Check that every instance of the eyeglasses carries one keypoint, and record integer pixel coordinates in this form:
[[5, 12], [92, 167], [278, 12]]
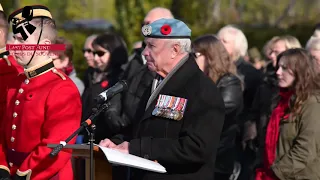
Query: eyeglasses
[[99, 53], [86, 50]]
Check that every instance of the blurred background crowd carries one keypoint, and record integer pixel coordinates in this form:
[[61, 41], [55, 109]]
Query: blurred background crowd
[[253, 33]]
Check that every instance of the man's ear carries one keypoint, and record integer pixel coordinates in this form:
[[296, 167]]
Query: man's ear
[[175, 50], [46, 42]]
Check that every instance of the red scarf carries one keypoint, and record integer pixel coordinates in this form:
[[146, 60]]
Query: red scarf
[[272, 136]]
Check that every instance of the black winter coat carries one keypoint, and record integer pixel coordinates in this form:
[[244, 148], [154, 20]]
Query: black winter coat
[[186, 148], [252, 80], [104, 121], [262, 109]]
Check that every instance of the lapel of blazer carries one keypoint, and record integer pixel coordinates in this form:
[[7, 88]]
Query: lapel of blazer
[[173, 84]]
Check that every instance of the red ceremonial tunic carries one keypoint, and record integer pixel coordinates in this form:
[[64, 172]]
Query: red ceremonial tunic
[[9, 69], [41, 110]]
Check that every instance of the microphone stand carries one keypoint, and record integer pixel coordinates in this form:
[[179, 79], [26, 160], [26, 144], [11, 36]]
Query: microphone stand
[[90, 127]]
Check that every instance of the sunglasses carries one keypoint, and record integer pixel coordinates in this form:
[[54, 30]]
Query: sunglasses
[[86, 50], [99, 53]]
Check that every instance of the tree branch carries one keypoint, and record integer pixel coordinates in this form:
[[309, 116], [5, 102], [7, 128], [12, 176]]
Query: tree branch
[[285, 13]]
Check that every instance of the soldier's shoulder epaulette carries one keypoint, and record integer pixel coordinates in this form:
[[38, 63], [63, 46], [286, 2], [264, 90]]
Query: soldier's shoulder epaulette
[[55, 71], [5, 57]]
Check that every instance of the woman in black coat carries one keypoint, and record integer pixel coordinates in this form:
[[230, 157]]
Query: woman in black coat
[[110, 53], [215, 62]]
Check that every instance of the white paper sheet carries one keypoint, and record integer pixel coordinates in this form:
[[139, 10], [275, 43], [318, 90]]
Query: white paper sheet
[[120, 158]]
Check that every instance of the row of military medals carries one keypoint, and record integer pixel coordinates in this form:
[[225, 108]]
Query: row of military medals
[[170, 107]]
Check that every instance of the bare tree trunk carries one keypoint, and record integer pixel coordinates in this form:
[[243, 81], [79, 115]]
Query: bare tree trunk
[[95, 4], [240, 10], [175, 8], [232, 4], [84, 2], [216, 10], [265, 14], [286, 12], [16, 4]]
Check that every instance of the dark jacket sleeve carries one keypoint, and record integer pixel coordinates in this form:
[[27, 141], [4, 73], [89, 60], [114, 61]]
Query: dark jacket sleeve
[[113, 115], [230, 88]]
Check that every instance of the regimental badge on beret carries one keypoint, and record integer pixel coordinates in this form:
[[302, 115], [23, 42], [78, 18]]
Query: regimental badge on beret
[[170, 107], [146, 30]]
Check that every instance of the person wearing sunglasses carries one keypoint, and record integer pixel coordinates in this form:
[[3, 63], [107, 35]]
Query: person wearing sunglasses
[[110, 53], [87, 50], [87, 54]]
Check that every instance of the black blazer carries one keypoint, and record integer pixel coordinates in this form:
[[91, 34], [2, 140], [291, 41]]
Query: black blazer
[[186, 148]]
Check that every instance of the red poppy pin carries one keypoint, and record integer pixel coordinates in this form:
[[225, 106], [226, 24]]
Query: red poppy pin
[[104, 84], [165, 29]]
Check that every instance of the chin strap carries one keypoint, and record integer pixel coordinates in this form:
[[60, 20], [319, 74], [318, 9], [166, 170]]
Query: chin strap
[[34, 52]]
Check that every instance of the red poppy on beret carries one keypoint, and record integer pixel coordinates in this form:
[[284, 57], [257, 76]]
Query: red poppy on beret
[[165, 29], [104, 84]]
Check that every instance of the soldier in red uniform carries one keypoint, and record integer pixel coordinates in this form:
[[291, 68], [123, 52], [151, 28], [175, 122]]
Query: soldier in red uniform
[[8, 65], [43, 107]]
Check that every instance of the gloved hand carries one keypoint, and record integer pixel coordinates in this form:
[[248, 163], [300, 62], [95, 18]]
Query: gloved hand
[[4, 174], [16, 177]]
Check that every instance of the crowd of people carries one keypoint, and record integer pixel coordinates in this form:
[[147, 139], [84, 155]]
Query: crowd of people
[[206, 108]]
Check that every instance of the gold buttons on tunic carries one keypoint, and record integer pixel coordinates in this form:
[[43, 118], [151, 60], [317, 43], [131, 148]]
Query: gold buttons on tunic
[[17, 102], [14, 127], [12, 139], [15, 114], [20, 90], [26, 81]]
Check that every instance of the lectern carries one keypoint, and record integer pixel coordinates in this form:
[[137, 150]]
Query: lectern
[[102, 168]]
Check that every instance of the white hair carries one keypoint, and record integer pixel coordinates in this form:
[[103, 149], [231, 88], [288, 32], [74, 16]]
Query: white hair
[[185, 44], [313, 43], [90, 39], [316, 33], [240, 40]]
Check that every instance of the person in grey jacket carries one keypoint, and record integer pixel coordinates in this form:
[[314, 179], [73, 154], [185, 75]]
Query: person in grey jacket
[[63, 60]]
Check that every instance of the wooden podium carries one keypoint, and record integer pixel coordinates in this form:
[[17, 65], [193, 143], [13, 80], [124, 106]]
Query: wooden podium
[[102, 168]]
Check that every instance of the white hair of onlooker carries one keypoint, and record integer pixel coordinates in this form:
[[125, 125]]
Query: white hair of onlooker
[[313, 46], [90, 39], [313, 43], [234, 40]]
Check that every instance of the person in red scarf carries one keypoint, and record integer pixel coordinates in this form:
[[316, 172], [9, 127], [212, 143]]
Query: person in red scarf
[[292, 136], [63, 60]]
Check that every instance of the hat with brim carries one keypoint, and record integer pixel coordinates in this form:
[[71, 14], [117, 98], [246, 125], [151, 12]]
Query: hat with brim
[[34, 11]]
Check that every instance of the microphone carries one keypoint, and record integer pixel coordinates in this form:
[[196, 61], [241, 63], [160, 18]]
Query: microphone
[[109, 93]]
